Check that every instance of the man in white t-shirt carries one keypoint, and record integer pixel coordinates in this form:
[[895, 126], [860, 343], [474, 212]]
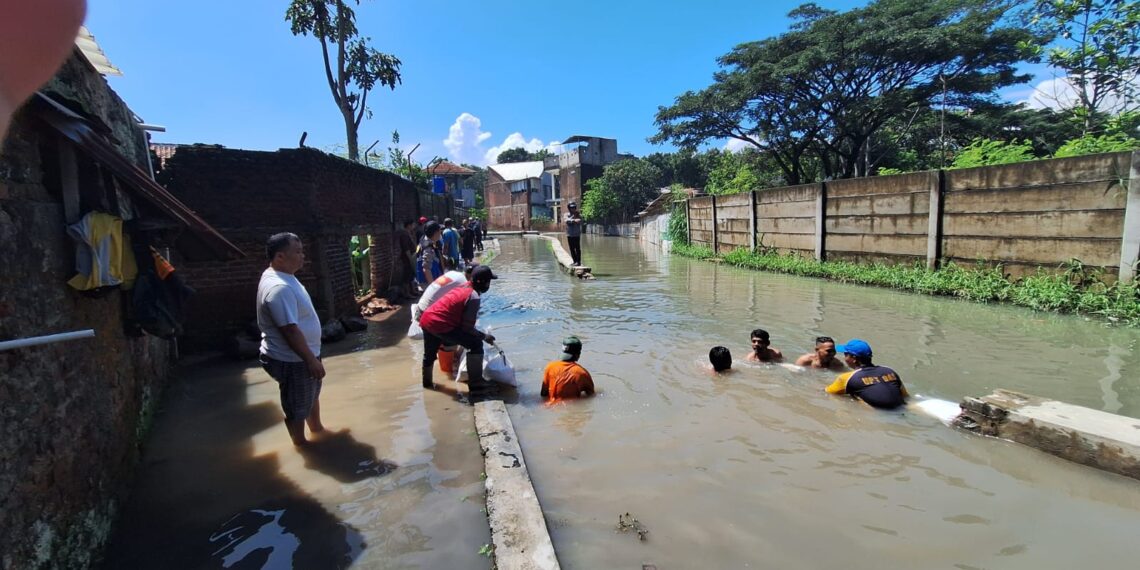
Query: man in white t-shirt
[[440, 287], [291, 336]]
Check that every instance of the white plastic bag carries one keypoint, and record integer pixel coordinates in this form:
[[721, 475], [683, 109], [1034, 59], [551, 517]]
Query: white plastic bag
[[499, 369], [414, 331], [496, 369]]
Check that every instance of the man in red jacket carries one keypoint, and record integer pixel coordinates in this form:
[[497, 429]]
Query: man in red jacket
[[451, 320]]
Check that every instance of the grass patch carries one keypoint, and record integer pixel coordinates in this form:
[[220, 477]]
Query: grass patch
[[1076, 289]]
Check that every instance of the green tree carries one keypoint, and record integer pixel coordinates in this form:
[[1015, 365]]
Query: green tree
[[622, 191], [1093, 144], [478, 183], [520, 154], [352, 67], [985, 152], [1097, 44], [823, 90], [743, 171]]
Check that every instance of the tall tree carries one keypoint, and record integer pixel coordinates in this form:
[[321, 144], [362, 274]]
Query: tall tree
[[622, 191], [518, 154], [824, 89], [1097, 44], [352, 67]]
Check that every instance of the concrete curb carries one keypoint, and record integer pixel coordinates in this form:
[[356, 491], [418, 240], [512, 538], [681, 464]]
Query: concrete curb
[[518, 529], [1083, 435], [564, 259]]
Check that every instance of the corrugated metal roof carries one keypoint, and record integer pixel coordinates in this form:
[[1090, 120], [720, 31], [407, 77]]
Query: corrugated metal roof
[[583, 138], [94, 54], [515, 171], [201, 242]]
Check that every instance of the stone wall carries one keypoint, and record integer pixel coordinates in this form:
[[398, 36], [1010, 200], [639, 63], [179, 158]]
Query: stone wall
[[1023, 216], [73, 413], [250, 195]]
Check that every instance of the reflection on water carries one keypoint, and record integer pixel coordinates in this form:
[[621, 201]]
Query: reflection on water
[[760, 468], [221, 486]]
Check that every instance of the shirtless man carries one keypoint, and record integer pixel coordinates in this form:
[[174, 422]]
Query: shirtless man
[[762, 350], [824, 356]]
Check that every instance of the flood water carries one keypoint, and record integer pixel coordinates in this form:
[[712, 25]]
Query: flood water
[[394, 484], [760, 468]]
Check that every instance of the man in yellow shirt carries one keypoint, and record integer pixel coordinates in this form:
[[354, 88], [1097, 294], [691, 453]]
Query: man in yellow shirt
[[879, 386], [565, 378]]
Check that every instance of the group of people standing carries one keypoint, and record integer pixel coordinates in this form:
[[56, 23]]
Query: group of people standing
[[429, 249], [860, 377]]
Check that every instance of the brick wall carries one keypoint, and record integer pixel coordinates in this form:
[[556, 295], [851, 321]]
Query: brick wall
[[505, 209], [73, 413], [250, 195]]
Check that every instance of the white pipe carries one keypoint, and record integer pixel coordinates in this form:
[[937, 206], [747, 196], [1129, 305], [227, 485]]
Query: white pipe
[[46, 339]]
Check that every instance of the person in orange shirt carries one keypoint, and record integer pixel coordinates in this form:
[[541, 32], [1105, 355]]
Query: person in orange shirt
[[565, 378]]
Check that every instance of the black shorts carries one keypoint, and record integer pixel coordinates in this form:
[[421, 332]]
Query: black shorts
[[299, 390]]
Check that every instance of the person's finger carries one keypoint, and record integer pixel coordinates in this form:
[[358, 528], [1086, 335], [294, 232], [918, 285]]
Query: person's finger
[[35, 38]]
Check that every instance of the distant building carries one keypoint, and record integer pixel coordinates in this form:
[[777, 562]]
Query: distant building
[[455, 182], [516, 192], [575, 166]]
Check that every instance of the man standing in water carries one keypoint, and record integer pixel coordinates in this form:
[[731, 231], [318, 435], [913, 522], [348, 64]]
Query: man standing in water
[[565, 378], [291, 336], [879, 386], [574, 232], [762, 350], [451, 320], [824, 356]]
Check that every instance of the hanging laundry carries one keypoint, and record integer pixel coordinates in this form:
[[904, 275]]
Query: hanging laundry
[[103, 254]]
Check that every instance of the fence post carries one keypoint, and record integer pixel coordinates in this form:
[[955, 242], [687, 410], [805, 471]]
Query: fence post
[[752, 219], [1130, 241], [715, 236], [820, 222], [934, 227], [688, 221]]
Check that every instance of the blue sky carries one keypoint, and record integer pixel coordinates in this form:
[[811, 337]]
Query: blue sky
[[478, 76]]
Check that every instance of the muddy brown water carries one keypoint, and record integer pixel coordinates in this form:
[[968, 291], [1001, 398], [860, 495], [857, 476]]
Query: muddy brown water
[[757, 469], [760, 468], [395, 484]]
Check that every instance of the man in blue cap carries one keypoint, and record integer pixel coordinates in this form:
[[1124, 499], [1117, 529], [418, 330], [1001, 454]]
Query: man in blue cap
[[879, 386]]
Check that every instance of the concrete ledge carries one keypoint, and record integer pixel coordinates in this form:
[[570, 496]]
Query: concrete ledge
[[518, 528], [512, 233], [567, 262], [1090, 437]]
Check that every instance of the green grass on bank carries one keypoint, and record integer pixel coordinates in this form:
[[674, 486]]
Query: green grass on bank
[[1076, 289]]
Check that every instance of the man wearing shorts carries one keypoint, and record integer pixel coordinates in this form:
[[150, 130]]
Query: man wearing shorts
[[291, 336]]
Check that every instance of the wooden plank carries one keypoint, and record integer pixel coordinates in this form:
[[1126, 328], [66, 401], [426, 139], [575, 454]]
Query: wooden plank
[[1077, 169], [1087, 196], [914, 182], [786, 225], [881, 204], [733, 200], [916, 224], [804, 242], [1045, 251], [877, 244], [1069, 224], [799, 193], [786, 210]]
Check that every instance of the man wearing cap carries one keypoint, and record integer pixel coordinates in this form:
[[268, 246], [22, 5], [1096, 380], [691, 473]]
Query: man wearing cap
[[451, 320], [879, 386], [565, 378], [420, 228], [574, 232], [429, 266]]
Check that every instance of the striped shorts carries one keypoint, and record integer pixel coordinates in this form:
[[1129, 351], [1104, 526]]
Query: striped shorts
[[299, 390]]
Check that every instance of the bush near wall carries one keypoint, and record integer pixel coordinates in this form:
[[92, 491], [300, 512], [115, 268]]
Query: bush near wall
[[1077, 289]]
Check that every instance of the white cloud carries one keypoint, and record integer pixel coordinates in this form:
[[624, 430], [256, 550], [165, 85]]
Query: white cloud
[[1060, 93], [466, 137], [735, 145]]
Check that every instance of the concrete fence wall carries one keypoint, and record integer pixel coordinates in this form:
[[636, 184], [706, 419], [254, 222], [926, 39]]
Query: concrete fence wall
[[1023, 216]]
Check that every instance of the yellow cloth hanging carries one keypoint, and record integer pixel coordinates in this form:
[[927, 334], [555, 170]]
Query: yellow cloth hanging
[[103, 255]]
